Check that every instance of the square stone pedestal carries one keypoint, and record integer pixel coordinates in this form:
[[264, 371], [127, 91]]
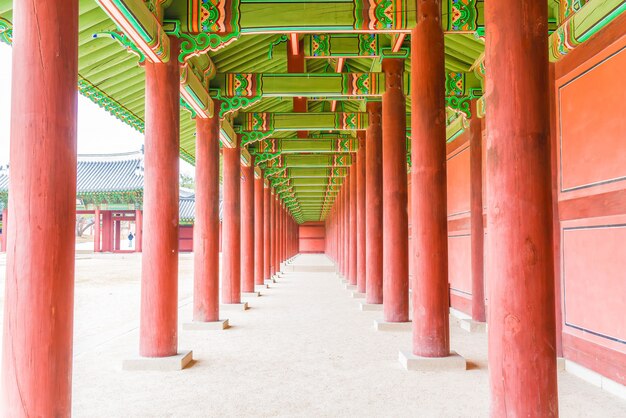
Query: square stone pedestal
[[206, 326], [364, 306], [358, 295], [269, 281], [159, 364], [453, 362], [350, 287], [234, 306], [470, 325], [380, 325], [259, 287], [250, 294]]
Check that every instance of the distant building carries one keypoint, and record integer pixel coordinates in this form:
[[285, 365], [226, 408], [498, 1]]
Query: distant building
[[111, 187]]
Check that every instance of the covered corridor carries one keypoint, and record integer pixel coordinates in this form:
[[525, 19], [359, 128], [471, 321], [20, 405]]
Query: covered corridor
[[302, 349]]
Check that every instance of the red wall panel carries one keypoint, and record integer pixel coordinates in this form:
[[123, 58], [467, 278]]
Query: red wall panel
[[185, 238], [459, 238], [592, 148], [312, 237], [459, 181], [591, 155]]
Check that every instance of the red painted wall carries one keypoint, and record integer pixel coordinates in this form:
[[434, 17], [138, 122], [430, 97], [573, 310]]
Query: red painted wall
[[312, 237], [591, 185], [185, 238]]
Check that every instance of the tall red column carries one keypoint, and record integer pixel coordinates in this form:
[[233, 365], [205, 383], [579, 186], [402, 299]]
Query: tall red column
[[39, 289], [267, 213], [118, 238], [107, 231], [283, 232], [96, 229], [395, 218], [360, 214], [431, 335], [374, 203], [340, 232], [247, 228], [206, 228], [478, 230], [159, 267], [276, 234], [353, 221], [138, 230], [231, 225], [259, 237], [272, 233], [346, 227], [279, 234], [522, 355]]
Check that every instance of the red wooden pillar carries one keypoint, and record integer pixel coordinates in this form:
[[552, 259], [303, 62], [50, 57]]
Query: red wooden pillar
[[138, 230], [118, 238], [338, 213], [206, 257], [247, 227], [360, 214], [39, 303], [395, 218], [267, 212], [353, 221], [272, 233], [105, 231], [284, 233], [276, 234], [522, 354], [374, 203], [231, 232], [279, 234], [5, 218], [431, 334], [96, 230], [478, 230], [159, 267], [346, 227], [259, 237]]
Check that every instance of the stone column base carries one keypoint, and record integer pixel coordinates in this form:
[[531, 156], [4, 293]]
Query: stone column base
[[470, 325], [161, 364], [358, 295], [258, 287], [234, 306], [364, 306], [206, 326], [250, 294], [453, 362], [350, 287], [380, 325]]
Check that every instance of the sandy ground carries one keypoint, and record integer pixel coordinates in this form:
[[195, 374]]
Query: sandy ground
[[303, 349]]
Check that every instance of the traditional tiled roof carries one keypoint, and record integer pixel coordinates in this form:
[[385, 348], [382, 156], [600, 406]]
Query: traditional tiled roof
[[116, 173], [110, 173]]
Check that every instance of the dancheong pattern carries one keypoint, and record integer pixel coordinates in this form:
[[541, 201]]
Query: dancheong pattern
[[380, 14], [320, 45], [360, 84], [462, 15], [368, 45]]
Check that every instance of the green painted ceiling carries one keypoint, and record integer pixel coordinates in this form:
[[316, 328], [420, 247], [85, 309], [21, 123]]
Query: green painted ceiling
[[112, 77]]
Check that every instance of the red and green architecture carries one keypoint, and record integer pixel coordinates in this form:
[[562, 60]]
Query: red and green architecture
[[493, 180]]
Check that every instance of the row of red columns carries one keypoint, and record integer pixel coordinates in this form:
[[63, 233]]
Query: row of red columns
[[522, 356], [37, 346]]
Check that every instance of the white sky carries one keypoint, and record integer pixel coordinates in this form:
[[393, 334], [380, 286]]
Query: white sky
[[98, 131]]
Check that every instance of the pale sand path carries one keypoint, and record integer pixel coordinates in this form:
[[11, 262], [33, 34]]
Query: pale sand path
[[304, 349]]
